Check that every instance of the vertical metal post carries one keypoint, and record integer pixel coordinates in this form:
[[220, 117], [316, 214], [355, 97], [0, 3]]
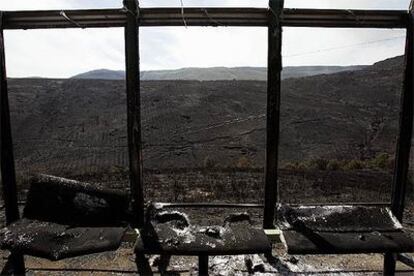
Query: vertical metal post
[[8, 174], [203, 265], [274, 68], [404, 138], [134, 110]]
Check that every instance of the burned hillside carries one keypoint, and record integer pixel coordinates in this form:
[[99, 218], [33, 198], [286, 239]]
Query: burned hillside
[[67, 125]]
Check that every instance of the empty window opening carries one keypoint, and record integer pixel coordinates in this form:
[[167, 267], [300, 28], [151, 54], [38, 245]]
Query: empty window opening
[[204, 123], [340, 114], [68, 104]]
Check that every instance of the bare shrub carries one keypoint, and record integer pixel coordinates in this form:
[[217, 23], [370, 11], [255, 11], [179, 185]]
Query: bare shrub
[[243, 163], [333, 165], [317, 164], [354, 165], [209, 162], [382, 161]]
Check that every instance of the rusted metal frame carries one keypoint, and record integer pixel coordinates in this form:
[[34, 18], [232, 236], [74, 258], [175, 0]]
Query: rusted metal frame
[[402, 158], [274, 69], [8, 173], [208, 205], [134, 112], [205, 17]]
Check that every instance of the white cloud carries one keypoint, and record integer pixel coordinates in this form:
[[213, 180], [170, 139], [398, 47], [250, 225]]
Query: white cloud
[[203, 47], [62, 53], [340, 46]]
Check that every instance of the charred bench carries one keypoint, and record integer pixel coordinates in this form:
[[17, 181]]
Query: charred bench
[[171, 233], [65, 218], [341, 229]]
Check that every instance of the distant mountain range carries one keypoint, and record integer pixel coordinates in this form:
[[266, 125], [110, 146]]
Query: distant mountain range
[[218, 73]]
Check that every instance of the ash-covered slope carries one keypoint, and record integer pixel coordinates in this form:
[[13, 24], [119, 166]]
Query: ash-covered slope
[[67, 125]]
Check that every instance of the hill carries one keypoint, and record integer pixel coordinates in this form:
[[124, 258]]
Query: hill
[[218, 73], [102, 74], [77, 124]]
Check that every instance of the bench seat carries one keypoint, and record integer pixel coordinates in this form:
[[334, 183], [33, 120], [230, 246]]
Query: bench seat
[[171, 233], [341, 229], [65, 218]]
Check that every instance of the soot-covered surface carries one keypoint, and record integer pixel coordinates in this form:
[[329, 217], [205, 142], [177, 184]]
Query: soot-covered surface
[[55, 241], [65, 218], [338, 218], [172, 232], [341, 229], [73, 203]]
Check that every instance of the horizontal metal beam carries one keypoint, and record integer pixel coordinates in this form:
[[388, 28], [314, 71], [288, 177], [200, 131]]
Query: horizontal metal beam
[[206, 205], [64, 19], [344, 18], [204, 17]]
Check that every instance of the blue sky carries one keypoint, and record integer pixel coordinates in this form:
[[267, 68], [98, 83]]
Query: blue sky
[[63, 53]]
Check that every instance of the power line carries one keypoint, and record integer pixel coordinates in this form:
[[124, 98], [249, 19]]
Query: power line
[[344, 47]]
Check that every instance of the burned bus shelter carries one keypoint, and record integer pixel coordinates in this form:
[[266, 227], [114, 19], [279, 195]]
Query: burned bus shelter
[[42, 231]]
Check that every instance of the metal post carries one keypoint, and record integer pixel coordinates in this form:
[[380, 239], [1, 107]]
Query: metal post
[[8, 174], [203, 265], [134, 110], [404, 138], [143, 265], [274, 68]]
